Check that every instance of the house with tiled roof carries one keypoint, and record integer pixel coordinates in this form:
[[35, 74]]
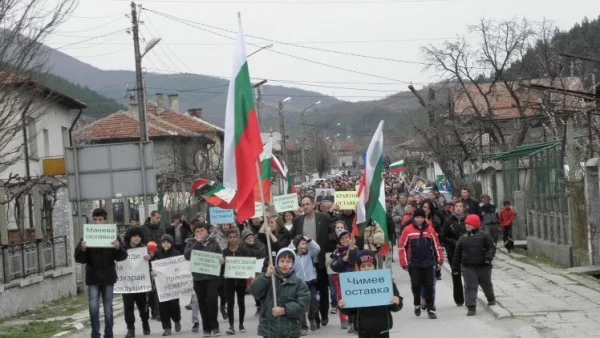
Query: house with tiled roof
[[185, 145]]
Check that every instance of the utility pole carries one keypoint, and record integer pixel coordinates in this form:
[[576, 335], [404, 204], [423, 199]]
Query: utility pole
[[282, 130], [139, 84], [303, 145], [258, 88]]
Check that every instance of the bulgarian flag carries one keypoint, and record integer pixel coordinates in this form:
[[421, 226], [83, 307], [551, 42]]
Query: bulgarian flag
[[242, 143], [199, 183], [286, 176], [220, 197], [397, 167], [371, 194], [265, 173]]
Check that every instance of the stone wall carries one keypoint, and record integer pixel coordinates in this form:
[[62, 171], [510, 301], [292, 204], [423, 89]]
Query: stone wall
[[549, 235], [63, 220]]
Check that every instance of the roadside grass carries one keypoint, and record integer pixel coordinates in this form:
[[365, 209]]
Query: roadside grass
[[33, 329], [529, 258]]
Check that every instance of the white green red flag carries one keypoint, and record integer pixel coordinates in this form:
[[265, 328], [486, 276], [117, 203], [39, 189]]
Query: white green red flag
[[220, 197], [397, 167], [286, 176], [371, 193], [199, 183], [265, 173], [242, 145]]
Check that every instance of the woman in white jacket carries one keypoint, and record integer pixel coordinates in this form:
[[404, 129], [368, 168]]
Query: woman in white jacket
[[306, 252]]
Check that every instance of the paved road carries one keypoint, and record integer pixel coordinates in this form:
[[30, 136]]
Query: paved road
[[452, 321]]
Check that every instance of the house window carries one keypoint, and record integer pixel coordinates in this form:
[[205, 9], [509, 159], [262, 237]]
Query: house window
[[65, 138], [32, 143], [46, 143]]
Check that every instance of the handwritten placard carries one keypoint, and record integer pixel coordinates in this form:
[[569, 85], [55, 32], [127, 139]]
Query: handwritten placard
[[285, 203], [259, 265], [347, 200], [173, 278], [205, 262], [133, 274], [99, 235], [258, 210], [220, 216], [366, 288], [240, 267]]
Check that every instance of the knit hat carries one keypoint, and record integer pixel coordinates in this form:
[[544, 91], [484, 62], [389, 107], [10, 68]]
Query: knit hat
[[339, 236], [418, 212], [474, 221], [298, 239], [134, 231], [168, 238], [246, 233], [366, 256]]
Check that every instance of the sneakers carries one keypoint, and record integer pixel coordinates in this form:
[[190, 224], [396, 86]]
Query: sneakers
[[313, 325], [146, 328], [230, 331], [431, 314], [196, 327], [417, 310], [333, 310], [130, 333], [471, 311], [491, 303], [207, 334], [344, 325], [188, 307], [167, 332], [242, 329], [177, 326], [324, 321], [216, 333], [224, 312]]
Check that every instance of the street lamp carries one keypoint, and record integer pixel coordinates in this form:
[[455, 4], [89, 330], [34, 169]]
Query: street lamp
[[258, 50], [153, 42], [303, 139]]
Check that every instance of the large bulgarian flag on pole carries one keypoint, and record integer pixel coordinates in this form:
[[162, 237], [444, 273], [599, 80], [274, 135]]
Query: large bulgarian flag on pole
[[265, 173], [371, 193], [242, 145], [286, 176]]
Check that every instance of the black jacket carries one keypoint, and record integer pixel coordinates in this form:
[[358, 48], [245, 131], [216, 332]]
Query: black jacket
[[100, 268], [475, 248], [452, 230], [152, 232], [162, 254], [240, 252], [210, 245], [472, 207], [323, 225], [284, 238], [257, 250], [375, 319]]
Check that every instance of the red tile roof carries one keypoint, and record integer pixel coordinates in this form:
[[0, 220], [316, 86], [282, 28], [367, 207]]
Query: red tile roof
[[124, 125], [348, 146]]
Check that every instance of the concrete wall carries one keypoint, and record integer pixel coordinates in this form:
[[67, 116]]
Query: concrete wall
[[592, 196], [549, 235]]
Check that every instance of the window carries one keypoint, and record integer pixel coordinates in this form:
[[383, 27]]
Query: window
[[32, 140], [46, 143], [65, 138]]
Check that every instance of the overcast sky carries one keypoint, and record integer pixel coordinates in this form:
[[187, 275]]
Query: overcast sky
[[392, 29]]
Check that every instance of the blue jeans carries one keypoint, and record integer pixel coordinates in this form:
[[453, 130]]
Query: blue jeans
[[94, 293]]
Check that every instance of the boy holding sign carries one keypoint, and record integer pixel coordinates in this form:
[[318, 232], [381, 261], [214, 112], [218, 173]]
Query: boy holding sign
[[170, 309], [373, 321]]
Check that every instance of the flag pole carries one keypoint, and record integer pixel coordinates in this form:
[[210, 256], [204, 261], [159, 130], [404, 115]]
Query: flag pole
[[267, 232]]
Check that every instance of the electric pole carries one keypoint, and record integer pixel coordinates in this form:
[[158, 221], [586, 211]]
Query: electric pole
[[139, 84], [303, 145], [282, 130]]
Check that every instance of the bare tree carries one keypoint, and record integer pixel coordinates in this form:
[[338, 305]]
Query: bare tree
[[25, 25]]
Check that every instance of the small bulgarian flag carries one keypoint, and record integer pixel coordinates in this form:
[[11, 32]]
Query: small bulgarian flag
[[397, 167], [220, 197], [286, 176], [199, 183], [266, 158]]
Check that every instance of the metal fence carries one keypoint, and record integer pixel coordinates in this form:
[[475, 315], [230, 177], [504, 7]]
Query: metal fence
[[30, 258]]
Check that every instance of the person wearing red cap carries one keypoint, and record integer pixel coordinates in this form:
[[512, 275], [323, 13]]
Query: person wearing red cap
[[473, 256]]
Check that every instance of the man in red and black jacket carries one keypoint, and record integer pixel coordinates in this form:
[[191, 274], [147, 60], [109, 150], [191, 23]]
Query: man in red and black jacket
[[420, 251]]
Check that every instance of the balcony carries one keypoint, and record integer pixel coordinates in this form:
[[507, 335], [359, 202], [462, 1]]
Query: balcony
[[54, 166], [31, 258]]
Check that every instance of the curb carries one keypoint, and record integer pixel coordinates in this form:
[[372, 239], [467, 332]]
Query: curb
[[498, 311]]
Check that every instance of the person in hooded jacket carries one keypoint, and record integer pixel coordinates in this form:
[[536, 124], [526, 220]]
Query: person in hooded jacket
[[169, 310], [281, 319], [372, 321], [307, 251], [153, 233], [453, 229], [344, 261], [134, 238]]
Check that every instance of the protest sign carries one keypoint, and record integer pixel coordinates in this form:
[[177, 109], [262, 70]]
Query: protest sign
[[240, 267], [99, 235], [220, 216], [347, 200], [133, 274], [366, 288], [324, 195], [259, 265], [205, 262], [173, 278], [418, 184], [285, 203], [258, 210]]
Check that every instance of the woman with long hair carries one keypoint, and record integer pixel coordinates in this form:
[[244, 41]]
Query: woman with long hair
[[288, 216], [453, 228]]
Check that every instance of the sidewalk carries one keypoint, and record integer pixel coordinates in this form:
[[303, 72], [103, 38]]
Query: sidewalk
[[557, 303]]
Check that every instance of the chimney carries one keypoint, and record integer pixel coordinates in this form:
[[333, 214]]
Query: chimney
[[173, 102], [159, 101], [195, 112]]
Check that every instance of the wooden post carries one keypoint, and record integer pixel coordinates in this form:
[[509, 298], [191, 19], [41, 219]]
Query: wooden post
[[3, 223], [37, 212]]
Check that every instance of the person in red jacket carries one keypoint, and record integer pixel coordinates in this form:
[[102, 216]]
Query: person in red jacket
[[507, 217], [419, 251]]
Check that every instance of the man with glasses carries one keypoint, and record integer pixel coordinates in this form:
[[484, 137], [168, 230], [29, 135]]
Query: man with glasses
[[316, 225]]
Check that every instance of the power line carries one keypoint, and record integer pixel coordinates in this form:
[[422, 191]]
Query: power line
[[297, 2], [58, 33], [92, 38]]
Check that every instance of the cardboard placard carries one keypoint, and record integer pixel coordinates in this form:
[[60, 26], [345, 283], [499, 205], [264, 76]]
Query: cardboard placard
[[99, 235], [173, 278], [240, 267], [366, 288], [258, 210], [133, 274], [347, 200], [259, 265], [285, 203], [205, 262], [220, 216]]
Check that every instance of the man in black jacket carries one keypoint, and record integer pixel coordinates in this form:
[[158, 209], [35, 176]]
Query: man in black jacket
[[100, 276], [316, 225], [471, 206], [153, 232], [473, 255]]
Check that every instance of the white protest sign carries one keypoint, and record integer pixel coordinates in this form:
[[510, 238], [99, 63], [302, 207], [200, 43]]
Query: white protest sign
[[258, 210], [259, 265], [205, 262], [240, 267], [99, 235], [133, 274], [285, 203], [173, 278]]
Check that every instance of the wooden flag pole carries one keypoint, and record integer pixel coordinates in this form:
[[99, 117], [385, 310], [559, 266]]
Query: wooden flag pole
[[268, 230]]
